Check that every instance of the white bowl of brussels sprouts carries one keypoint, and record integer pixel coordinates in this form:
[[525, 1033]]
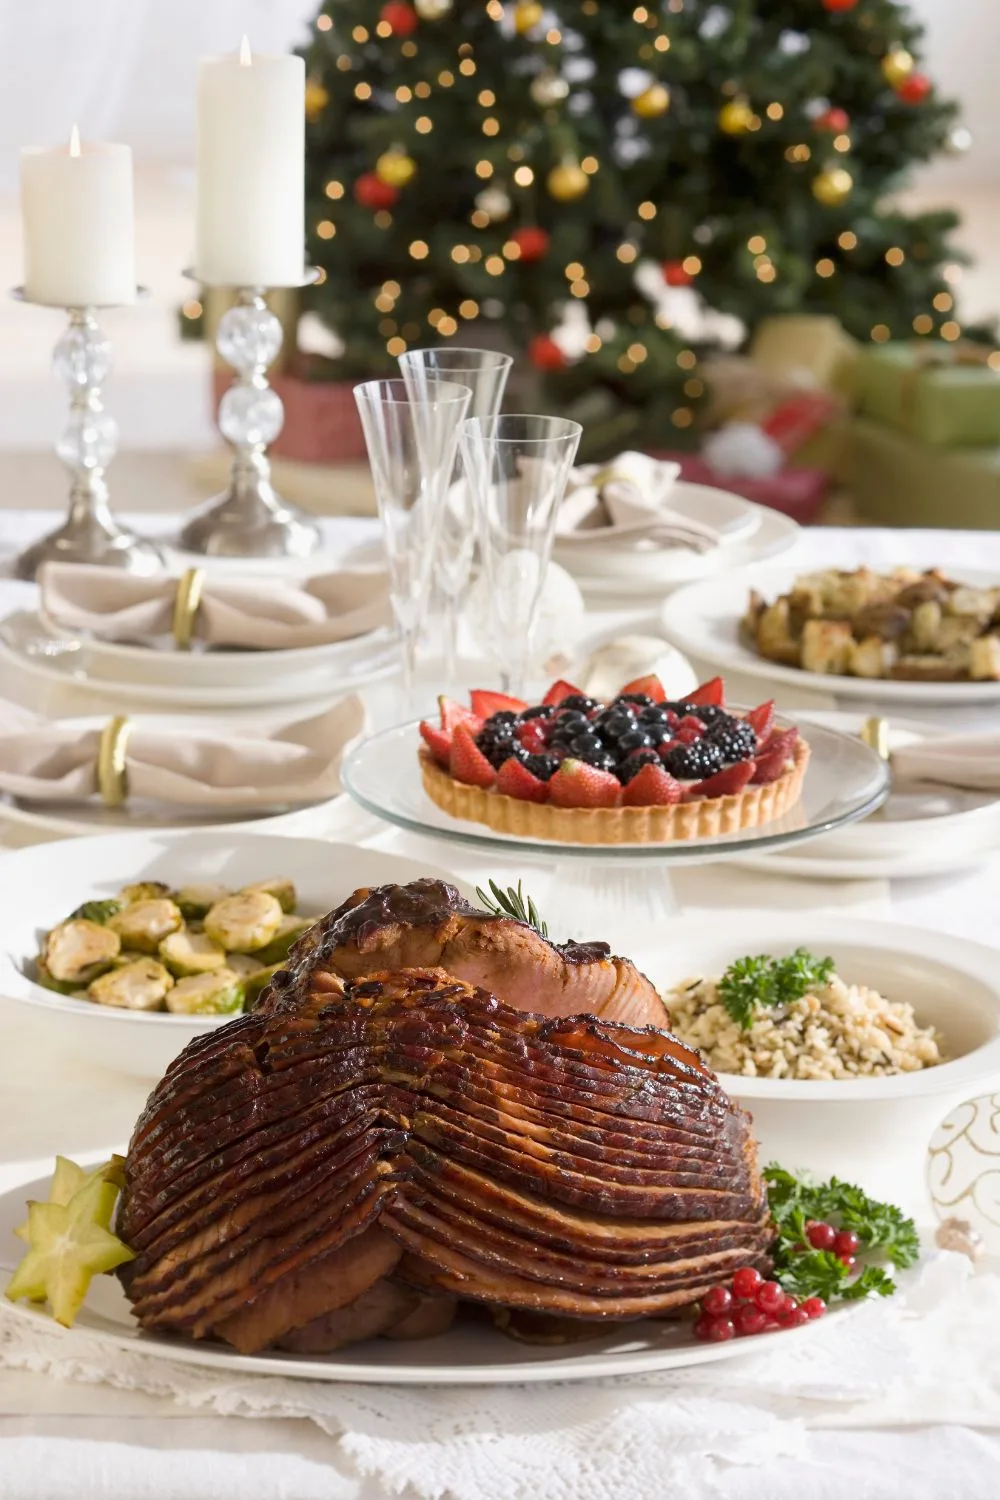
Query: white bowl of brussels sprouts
[[127, 946]]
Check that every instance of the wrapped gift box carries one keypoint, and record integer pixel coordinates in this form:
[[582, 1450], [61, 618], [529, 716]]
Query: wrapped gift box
[[899, 482], [944, 395], [798, 493], [800, 345]]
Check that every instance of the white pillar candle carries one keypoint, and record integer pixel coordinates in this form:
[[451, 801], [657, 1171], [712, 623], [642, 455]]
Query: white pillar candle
[[251, 170], [76, 210]]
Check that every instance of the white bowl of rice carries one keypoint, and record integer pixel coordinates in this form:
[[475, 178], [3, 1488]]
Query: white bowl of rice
[[853, 1078]]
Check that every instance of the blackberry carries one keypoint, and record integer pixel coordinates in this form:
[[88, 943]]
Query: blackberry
[[497, 741], [641, 700], [580, 702], [635, 763], [735, 738], [542, 766], [502, 716], [540, 711], [693, 762], [708, 713], [636, 739]]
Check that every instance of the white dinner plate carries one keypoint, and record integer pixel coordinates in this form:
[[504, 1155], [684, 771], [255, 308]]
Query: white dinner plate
[[703, 620]]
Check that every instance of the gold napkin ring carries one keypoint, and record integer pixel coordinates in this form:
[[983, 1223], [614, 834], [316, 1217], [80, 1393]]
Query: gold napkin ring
[[112, 782], [187, 602]]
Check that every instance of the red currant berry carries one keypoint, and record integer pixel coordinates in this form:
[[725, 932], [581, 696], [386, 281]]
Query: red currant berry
[[850, 1261], [846, 1242], [821, 1236], [701, 1327], [769, 1298], [746, 1281], [789, 1304], [748, 1320], [814, 1306], [719, 1330], [795, 1318], [716, 1301]]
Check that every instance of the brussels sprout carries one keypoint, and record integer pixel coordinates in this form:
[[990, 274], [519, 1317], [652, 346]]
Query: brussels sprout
[[281, 888], [243, 964], [187, 953], [256, 984], [215, 994], [144, 924], [195, 900], [245, 922], [289, 929], [58, 986], [77, 951], [98, 911], [143, 890], [141, 985]]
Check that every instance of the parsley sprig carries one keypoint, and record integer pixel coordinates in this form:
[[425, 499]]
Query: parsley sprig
[[753, 983], [881, 1228]]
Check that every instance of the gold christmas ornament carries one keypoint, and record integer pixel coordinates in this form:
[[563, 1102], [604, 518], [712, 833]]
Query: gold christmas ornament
[[735, 117], [549, 88], [897, 66], [652, 102], [494, 202], [432, 10], [832, 186], [527, 15], [395, 168], [317, 98], [567, 182]]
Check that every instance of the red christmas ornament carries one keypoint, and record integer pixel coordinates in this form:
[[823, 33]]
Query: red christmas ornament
[[371, 192], [401, 17], [914, 89], [833, 119], [532, 242], [545, 354], [837, 5], [674, 273]]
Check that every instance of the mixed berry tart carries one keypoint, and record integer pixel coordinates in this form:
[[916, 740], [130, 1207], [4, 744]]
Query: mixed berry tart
[[640, 769]]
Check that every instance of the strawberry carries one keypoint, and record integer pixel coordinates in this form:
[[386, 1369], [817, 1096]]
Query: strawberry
[[652, 787], [712, 692], [576, 784], [650, 685], [558, 691], [485, 704], [779, 739], [531, 734], [690, 722], [467, 762], [687, 736], [515, 780], [724, 783], [438, 742], [453, 713], [761, 720], [771, 766]]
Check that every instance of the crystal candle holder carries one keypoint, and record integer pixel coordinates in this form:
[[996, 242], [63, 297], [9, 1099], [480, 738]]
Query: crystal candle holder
[[89, 441], [250, 519]]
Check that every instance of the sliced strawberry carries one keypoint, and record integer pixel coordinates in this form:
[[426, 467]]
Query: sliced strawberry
[[485, 704], [438, 742], [709, 692], [724, 783], [780, 739], [576, 784], [558, 691], [515, 780], [652, 787], [467, 762], [453, 713], [531, 734], [761, 720], [650, 685], [772, 766], [690, 722], [687, 736]]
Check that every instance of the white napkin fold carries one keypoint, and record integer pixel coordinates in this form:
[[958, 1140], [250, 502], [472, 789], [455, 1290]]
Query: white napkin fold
[[627, 499], [969, 761], [46, 761], [252, 613]]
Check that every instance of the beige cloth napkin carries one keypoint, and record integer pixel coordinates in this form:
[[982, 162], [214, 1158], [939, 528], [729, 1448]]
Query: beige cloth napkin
[[43, 760], [627, 500], [969, 761], [262, 613]]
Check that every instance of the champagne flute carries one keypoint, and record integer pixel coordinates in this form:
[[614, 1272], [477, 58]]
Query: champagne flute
[[518, 467]]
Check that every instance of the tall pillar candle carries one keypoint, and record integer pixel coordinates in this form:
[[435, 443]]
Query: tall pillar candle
[[251, 170], [76, 212]]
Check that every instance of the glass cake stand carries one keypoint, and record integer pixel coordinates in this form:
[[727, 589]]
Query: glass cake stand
[[844, 781]]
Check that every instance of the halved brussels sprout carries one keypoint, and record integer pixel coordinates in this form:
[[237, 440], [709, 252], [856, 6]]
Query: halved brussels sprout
[[143, 890], [245, 922], [58, 986], [257, 983], [195, 900], [243, 964], [186, 953], [281, 888], [141, 985], [77, 951], [144, 924], [289, 929], [207, 994], [98, 911]]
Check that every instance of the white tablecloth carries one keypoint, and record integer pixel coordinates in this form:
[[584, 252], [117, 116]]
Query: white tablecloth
[[61, 1440]]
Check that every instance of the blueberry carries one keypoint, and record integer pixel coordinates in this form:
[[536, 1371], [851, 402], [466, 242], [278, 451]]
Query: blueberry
[[580, 702], [614, 729], [586, 745], [654, 715], [636, 739], [642, 700], [634, 764], [573, 721]]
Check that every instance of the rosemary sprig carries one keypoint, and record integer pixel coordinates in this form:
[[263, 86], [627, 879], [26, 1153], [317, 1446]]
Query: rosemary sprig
[[513, 903]]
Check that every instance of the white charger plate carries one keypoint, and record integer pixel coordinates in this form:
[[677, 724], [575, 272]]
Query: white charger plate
[[703, 620]]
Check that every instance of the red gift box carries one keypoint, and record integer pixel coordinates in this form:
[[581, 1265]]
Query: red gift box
[[798, 493], [321, 424]]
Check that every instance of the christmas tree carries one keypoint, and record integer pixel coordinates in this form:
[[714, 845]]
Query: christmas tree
[[482, 172]]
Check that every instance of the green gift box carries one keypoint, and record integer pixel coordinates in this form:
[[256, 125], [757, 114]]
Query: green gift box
[[945, 395], [898, 482]]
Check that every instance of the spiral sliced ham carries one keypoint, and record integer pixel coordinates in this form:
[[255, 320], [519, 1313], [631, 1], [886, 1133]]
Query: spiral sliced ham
[[364, 1152]]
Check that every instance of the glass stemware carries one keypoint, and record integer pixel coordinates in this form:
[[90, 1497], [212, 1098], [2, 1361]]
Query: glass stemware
[[411, 444], [485, 373], [517, 467]]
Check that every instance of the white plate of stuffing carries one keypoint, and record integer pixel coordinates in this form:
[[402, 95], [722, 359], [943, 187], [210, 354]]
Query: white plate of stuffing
[[850, 1077]]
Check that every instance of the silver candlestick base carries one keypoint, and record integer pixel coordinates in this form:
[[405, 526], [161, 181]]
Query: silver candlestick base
[[250, 519], [90, 533]]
